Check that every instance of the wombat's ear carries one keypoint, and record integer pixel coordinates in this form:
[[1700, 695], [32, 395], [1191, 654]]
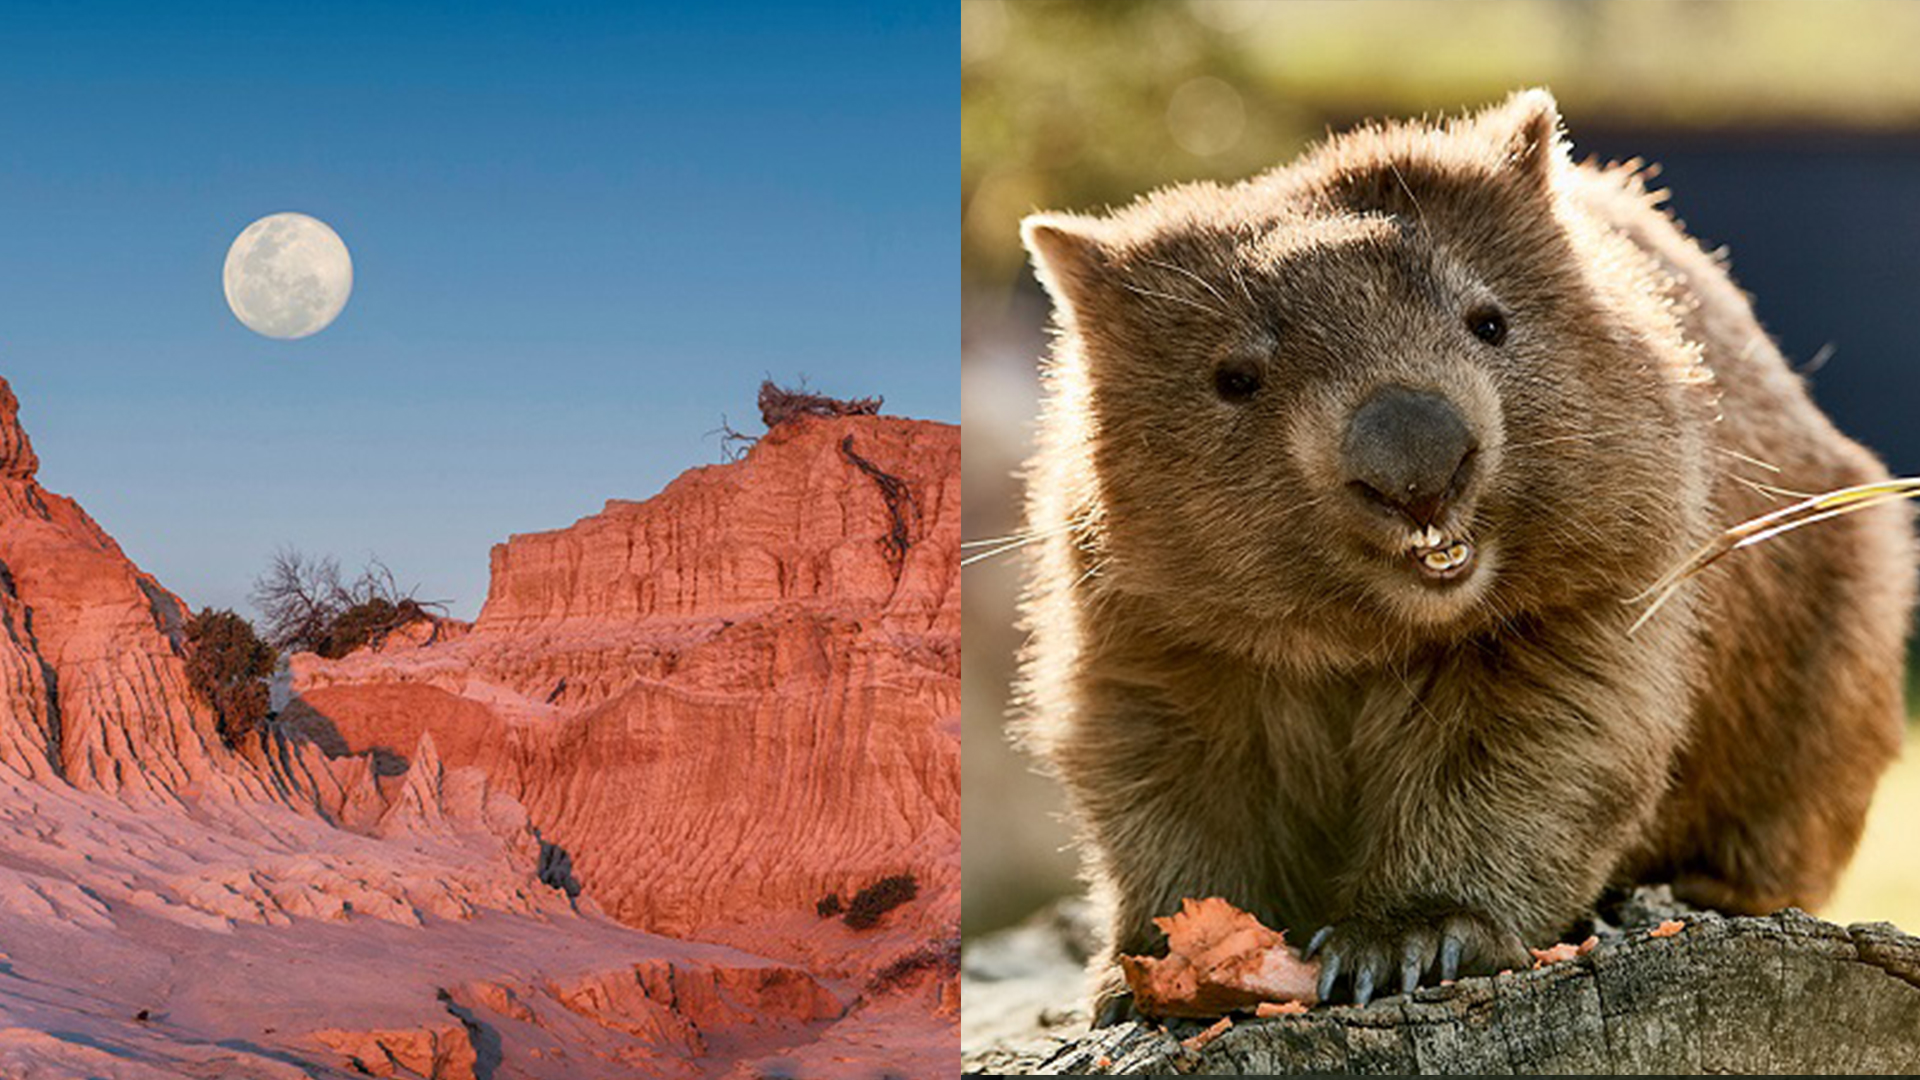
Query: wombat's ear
[[1069, 257], [1528, 128]]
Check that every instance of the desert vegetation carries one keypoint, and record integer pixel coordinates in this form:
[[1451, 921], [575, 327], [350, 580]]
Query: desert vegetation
[[781, 405], [942, 957], [869, 904], [309, 607], [228, 666]]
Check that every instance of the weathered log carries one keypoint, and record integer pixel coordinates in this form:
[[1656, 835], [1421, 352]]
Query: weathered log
[[1786, 993]]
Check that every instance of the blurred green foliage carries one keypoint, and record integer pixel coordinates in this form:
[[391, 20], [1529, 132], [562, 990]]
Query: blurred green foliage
[[1084, 103]]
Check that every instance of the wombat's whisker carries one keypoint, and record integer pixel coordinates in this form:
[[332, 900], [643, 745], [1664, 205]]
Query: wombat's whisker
[[1004, 549], [1304, 504], [1577, 436], [1771, 491], [1187, 300], [1818, 360], [1767, 526], [996, 541], [1419, 215], [1240, 280], [1093, 570], [1732, 453], [1763, 490], [1196, 278], [1002, 545]]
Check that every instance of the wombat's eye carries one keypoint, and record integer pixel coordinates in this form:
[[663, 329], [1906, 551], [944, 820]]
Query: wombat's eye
[[1236, 381], [1488, 325]]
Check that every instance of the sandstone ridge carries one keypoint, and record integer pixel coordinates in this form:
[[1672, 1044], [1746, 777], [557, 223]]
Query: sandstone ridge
[[300, 906], [753, 627]]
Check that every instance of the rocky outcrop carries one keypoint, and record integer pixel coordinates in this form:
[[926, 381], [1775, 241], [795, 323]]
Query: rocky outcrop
[[656, 1017], [92, 686], [94, 693], [362, 888], [726, 701], [441, 1051], [17, 459], [796, 521]]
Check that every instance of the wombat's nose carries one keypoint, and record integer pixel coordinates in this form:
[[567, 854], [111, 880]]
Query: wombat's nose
[[1409, 450]]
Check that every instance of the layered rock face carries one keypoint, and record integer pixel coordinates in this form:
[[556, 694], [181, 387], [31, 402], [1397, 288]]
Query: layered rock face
[[724, 702], [94, 688], [801, 520], [388, 882]]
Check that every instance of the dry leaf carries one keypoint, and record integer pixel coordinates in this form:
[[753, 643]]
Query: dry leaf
[[1219, 959]]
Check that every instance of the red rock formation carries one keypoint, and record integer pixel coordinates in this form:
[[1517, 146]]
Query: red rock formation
[[795, 522], [726, 701], [17, 459], [300, 908], [654, 1018], [93, 686], [95, 689], [442, 1051]]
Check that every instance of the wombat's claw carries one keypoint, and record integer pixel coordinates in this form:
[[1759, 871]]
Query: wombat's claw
[[1117, 1009], [1450, 958], [1372, 952]]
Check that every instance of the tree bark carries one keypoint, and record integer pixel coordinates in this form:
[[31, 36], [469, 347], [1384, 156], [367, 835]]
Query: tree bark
[[1786, 993]]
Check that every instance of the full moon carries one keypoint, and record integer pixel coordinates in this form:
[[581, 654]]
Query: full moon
[[288, 276]]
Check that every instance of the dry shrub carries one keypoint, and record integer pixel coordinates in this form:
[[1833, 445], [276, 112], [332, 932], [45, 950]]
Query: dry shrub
[[309, 608], [870, 903], [941, 956], [228, 666], [779, 404]]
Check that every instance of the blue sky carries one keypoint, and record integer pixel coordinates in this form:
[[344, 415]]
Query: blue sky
[[581, 234]]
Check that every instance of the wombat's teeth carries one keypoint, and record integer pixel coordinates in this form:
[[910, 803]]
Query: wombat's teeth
[[1430, 538], [1444, 560]]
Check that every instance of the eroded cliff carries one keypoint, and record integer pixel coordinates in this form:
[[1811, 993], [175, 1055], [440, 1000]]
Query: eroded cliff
[[724, 702], [299, 906]]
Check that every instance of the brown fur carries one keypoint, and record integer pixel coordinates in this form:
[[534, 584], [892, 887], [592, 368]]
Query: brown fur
[[1247, 695]]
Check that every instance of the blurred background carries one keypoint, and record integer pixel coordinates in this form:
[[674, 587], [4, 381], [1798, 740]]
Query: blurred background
[[1787, 130]]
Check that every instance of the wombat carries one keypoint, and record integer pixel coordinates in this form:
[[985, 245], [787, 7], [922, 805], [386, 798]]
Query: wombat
[[1352, 478]]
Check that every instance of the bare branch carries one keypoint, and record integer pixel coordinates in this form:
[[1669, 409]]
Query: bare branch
[[308, 608]]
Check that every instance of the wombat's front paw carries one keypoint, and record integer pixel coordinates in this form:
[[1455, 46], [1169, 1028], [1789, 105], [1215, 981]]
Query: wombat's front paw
[[1364, 955]]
